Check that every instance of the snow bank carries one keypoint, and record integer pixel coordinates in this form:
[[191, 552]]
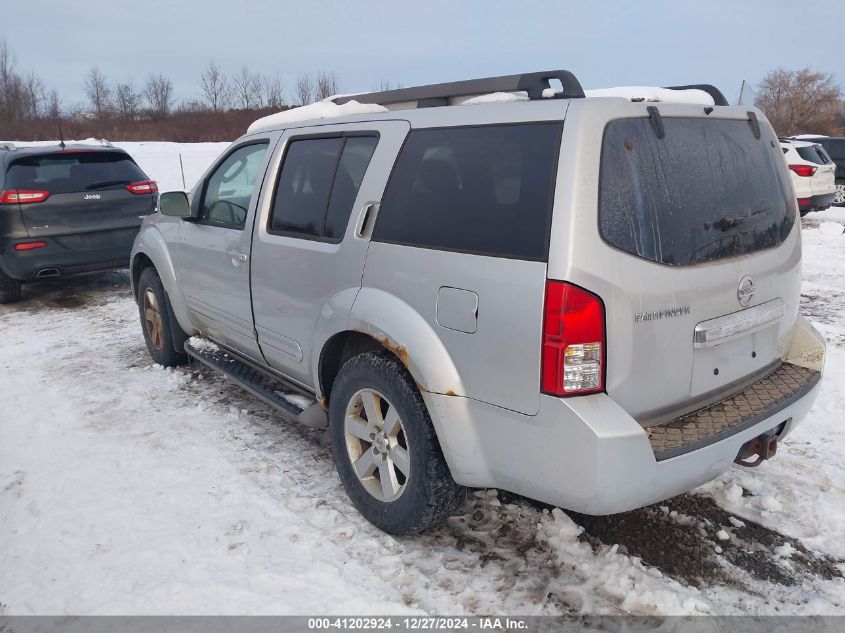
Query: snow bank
[[653, 93], [319, 110], [836, 214]]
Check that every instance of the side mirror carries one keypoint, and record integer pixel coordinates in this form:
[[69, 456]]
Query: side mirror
[[174, 203]]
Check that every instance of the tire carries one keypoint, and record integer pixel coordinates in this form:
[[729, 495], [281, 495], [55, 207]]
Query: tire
[[164, 338], [10, 289], [426, 494]]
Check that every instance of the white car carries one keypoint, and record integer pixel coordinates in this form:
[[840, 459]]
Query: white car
[[813, 174]]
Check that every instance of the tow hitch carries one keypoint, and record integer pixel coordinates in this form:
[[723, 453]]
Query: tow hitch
[[763, 447]]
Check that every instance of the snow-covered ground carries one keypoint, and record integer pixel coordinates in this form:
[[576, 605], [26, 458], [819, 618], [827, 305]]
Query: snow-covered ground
[[128, 488]]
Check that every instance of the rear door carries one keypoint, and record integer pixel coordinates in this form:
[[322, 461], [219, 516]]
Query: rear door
[[309, 249], [94, 199], [462, 238], [697, 256]]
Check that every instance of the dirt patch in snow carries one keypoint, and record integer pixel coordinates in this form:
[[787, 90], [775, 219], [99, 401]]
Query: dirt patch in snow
[[74, 292], [695, 541]]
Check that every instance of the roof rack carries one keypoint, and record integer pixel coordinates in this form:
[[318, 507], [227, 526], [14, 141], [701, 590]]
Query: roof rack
[[535, 84], [9, 147], [713, 91]]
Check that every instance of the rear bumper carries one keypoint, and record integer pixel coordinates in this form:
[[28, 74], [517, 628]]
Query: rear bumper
[[57, 256], [815, 203], [588, 455]]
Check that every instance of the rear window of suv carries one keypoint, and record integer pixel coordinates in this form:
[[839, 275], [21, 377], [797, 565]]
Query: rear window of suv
[[708, 190], [484, 190], [71, 172], [813, 153]]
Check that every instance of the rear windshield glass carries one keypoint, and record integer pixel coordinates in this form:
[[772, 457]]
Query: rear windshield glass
[[73, 172], [812, 154], [708, 190]]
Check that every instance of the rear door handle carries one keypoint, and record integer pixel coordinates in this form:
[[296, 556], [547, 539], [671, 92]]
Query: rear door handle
[[366, 219]]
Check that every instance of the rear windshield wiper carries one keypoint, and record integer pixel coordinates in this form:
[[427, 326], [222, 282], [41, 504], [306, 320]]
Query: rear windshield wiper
[[106, 183]]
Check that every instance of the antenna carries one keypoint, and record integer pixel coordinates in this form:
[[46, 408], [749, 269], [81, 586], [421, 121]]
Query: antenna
[[741, 90], [61, 136]]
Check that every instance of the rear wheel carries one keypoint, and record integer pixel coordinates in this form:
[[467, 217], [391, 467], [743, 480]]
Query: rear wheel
[[156, 322], [10, 289], [839, 194], [385, 448]]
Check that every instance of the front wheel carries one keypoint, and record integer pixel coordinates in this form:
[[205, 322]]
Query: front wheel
[[156, 321], [10, 289], [385, 448]]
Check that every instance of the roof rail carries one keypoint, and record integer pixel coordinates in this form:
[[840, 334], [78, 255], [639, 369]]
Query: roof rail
[[9, 147], [439, 94], [713, 91]]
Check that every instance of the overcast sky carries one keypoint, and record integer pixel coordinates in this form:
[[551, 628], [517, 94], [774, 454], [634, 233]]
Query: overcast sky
[[605, 43]]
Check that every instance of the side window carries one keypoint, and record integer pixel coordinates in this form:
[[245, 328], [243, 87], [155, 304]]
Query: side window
[[318, 184], [229, 189], [485, 190]]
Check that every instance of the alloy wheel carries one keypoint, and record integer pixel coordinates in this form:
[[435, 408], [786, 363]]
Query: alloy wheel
[[152, 319], [377, 445]]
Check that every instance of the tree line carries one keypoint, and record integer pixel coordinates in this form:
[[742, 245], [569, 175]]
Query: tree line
[[222, 108], [794, 101]]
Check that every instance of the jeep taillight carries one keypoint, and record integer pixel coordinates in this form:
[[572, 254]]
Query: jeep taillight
[[145, 186], [573, 355], [803, 170], [22, 196]]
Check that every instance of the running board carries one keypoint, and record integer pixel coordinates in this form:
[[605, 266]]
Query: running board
[[274, 391]]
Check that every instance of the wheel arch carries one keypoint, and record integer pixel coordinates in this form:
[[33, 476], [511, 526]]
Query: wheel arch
[[381, 321], [151, 250]]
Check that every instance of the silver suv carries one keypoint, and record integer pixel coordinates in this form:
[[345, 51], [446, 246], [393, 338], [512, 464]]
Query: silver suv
[[592, 302]]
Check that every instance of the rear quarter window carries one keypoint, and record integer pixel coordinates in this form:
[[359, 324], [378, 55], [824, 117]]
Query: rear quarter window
[[72, 172], [484, 190], [708, 190]]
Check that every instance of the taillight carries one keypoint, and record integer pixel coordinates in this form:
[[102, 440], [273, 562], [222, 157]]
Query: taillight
[[803, 170], [23, 196], [28, 246], [574, 351], [145, 186], [804, 201]]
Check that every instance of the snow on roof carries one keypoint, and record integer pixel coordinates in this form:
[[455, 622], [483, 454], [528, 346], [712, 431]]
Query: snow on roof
[[653, 93], [796, 143], [319, 110], [496, 97], [631, 93], [803, 136], [327, 109]]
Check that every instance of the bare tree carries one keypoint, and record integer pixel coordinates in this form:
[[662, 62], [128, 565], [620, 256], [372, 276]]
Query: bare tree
[[158, 93], [127, 101], [303, 89], [246, 89], [272, 92], [98, 92], [54, 106], [385, 84], [10, 85], [800, 101], [214, 87], [33, 94], [326, 85]]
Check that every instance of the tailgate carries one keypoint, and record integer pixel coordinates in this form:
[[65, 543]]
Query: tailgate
[[84, 192], [86, 212], [699, 263]]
